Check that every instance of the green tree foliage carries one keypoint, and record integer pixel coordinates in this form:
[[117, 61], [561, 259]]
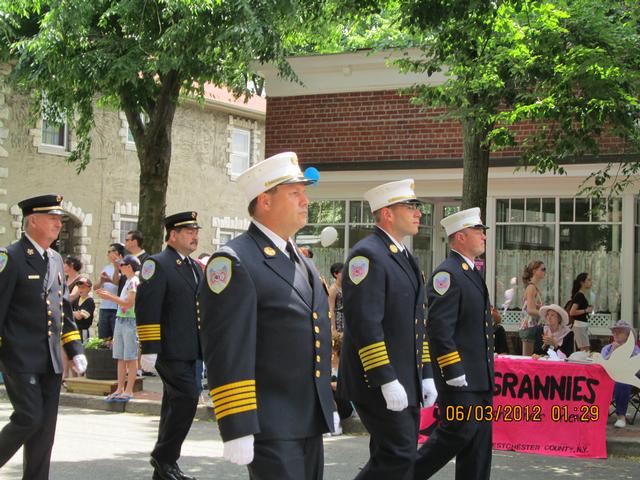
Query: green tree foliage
[[139, 56], [568, 66]]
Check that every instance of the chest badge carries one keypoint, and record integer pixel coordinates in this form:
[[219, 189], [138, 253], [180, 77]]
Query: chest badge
[[269, 252], [358, 269], [219, 274]]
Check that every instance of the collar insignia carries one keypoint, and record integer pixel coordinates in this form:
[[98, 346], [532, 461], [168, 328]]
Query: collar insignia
[[178, 261], [30, 251], [393, 248], [268, 251], [465, 266]]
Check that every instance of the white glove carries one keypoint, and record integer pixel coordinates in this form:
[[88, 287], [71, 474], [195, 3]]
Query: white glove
[[80, 364], [148, 362], [429, 392], [460, 381], [395, 396], [239, 450]]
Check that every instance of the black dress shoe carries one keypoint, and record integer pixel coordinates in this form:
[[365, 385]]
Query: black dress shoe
[[181, 474], [164, 471]]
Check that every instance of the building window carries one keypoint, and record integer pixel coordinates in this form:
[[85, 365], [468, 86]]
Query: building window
[[570, 235], [54, 134], [126, 225], [240, 150]]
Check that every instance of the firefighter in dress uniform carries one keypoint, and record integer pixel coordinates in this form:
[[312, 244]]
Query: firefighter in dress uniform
[[384, 364], [266, 334], [167, 320], [36, 317], [460, 331]]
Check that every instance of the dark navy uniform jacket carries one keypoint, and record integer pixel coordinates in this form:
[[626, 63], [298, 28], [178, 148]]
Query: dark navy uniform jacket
[[167, 312], [35, 318], [459, 326], [384, 337], [266, 340]]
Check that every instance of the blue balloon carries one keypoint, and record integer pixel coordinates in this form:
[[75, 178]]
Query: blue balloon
[[312, 174]]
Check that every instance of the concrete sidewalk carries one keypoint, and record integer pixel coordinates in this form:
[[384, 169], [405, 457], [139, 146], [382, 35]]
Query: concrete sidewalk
[[620, 441]]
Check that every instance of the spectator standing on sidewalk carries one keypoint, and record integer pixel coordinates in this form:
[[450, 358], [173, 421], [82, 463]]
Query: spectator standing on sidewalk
[[532, 275], [108, 280], [336, 308], [72, 268], [133, 244], [167, 316], [580, 310], [125, 341], [35, 318]]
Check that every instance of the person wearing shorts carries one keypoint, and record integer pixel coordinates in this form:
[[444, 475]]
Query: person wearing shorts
[[125, 341]]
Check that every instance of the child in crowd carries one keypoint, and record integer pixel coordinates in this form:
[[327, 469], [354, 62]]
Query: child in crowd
[[621, 391], [125, 339], [83, 307]]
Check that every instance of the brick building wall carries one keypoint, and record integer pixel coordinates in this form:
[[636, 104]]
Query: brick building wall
[[373, 126]]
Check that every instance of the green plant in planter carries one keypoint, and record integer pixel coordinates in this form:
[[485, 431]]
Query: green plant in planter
[[95, 343]]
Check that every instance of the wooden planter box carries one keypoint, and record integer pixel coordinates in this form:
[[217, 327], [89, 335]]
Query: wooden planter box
[[101, 365]]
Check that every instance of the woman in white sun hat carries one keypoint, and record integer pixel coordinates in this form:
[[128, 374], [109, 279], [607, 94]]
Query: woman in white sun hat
[[553, 333]]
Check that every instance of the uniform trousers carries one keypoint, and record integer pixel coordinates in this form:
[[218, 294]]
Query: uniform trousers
[[296, 459], [469, 441], [392, 443], [35, 400], [180, 396]]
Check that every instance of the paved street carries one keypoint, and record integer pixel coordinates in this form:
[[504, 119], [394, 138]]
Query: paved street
[[102, 445]]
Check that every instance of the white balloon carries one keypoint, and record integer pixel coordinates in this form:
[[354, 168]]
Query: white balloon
[[328, 236]]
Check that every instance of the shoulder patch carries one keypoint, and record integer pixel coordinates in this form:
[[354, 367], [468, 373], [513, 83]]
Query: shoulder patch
[[441, 282], [358, 269], [4, 259], [219, 274], [148, 269]]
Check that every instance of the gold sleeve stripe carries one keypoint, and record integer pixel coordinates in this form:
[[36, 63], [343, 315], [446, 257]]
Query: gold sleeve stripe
[[235, 391], [449, 362], [221, 415], [378, 364], [234, 398], [148, 327], [72, 333], [373, 352], [233, 405], [71, 338], [364, 350], [149, 338], [426, 358], [442, 358], [231, 386], [375, 360]]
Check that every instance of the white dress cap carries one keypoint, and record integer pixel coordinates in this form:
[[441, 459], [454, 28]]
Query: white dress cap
[[461, 220], [272, 171], [401, 191]]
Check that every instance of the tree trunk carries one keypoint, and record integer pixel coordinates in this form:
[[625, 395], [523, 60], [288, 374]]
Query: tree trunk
[[153, 143], [475, 166]]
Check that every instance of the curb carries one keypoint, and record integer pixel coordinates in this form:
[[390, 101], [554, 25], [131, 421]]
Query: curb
[[621, 447]]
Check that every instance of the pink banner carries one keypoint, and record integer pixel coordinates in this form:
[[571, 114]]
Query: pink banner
[[546, 408]]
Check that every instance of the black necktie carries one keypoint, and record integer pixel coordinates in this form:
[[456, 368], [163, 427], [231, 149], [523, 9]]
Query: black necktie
[[292, 254], [46, 276], [189, 262]]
